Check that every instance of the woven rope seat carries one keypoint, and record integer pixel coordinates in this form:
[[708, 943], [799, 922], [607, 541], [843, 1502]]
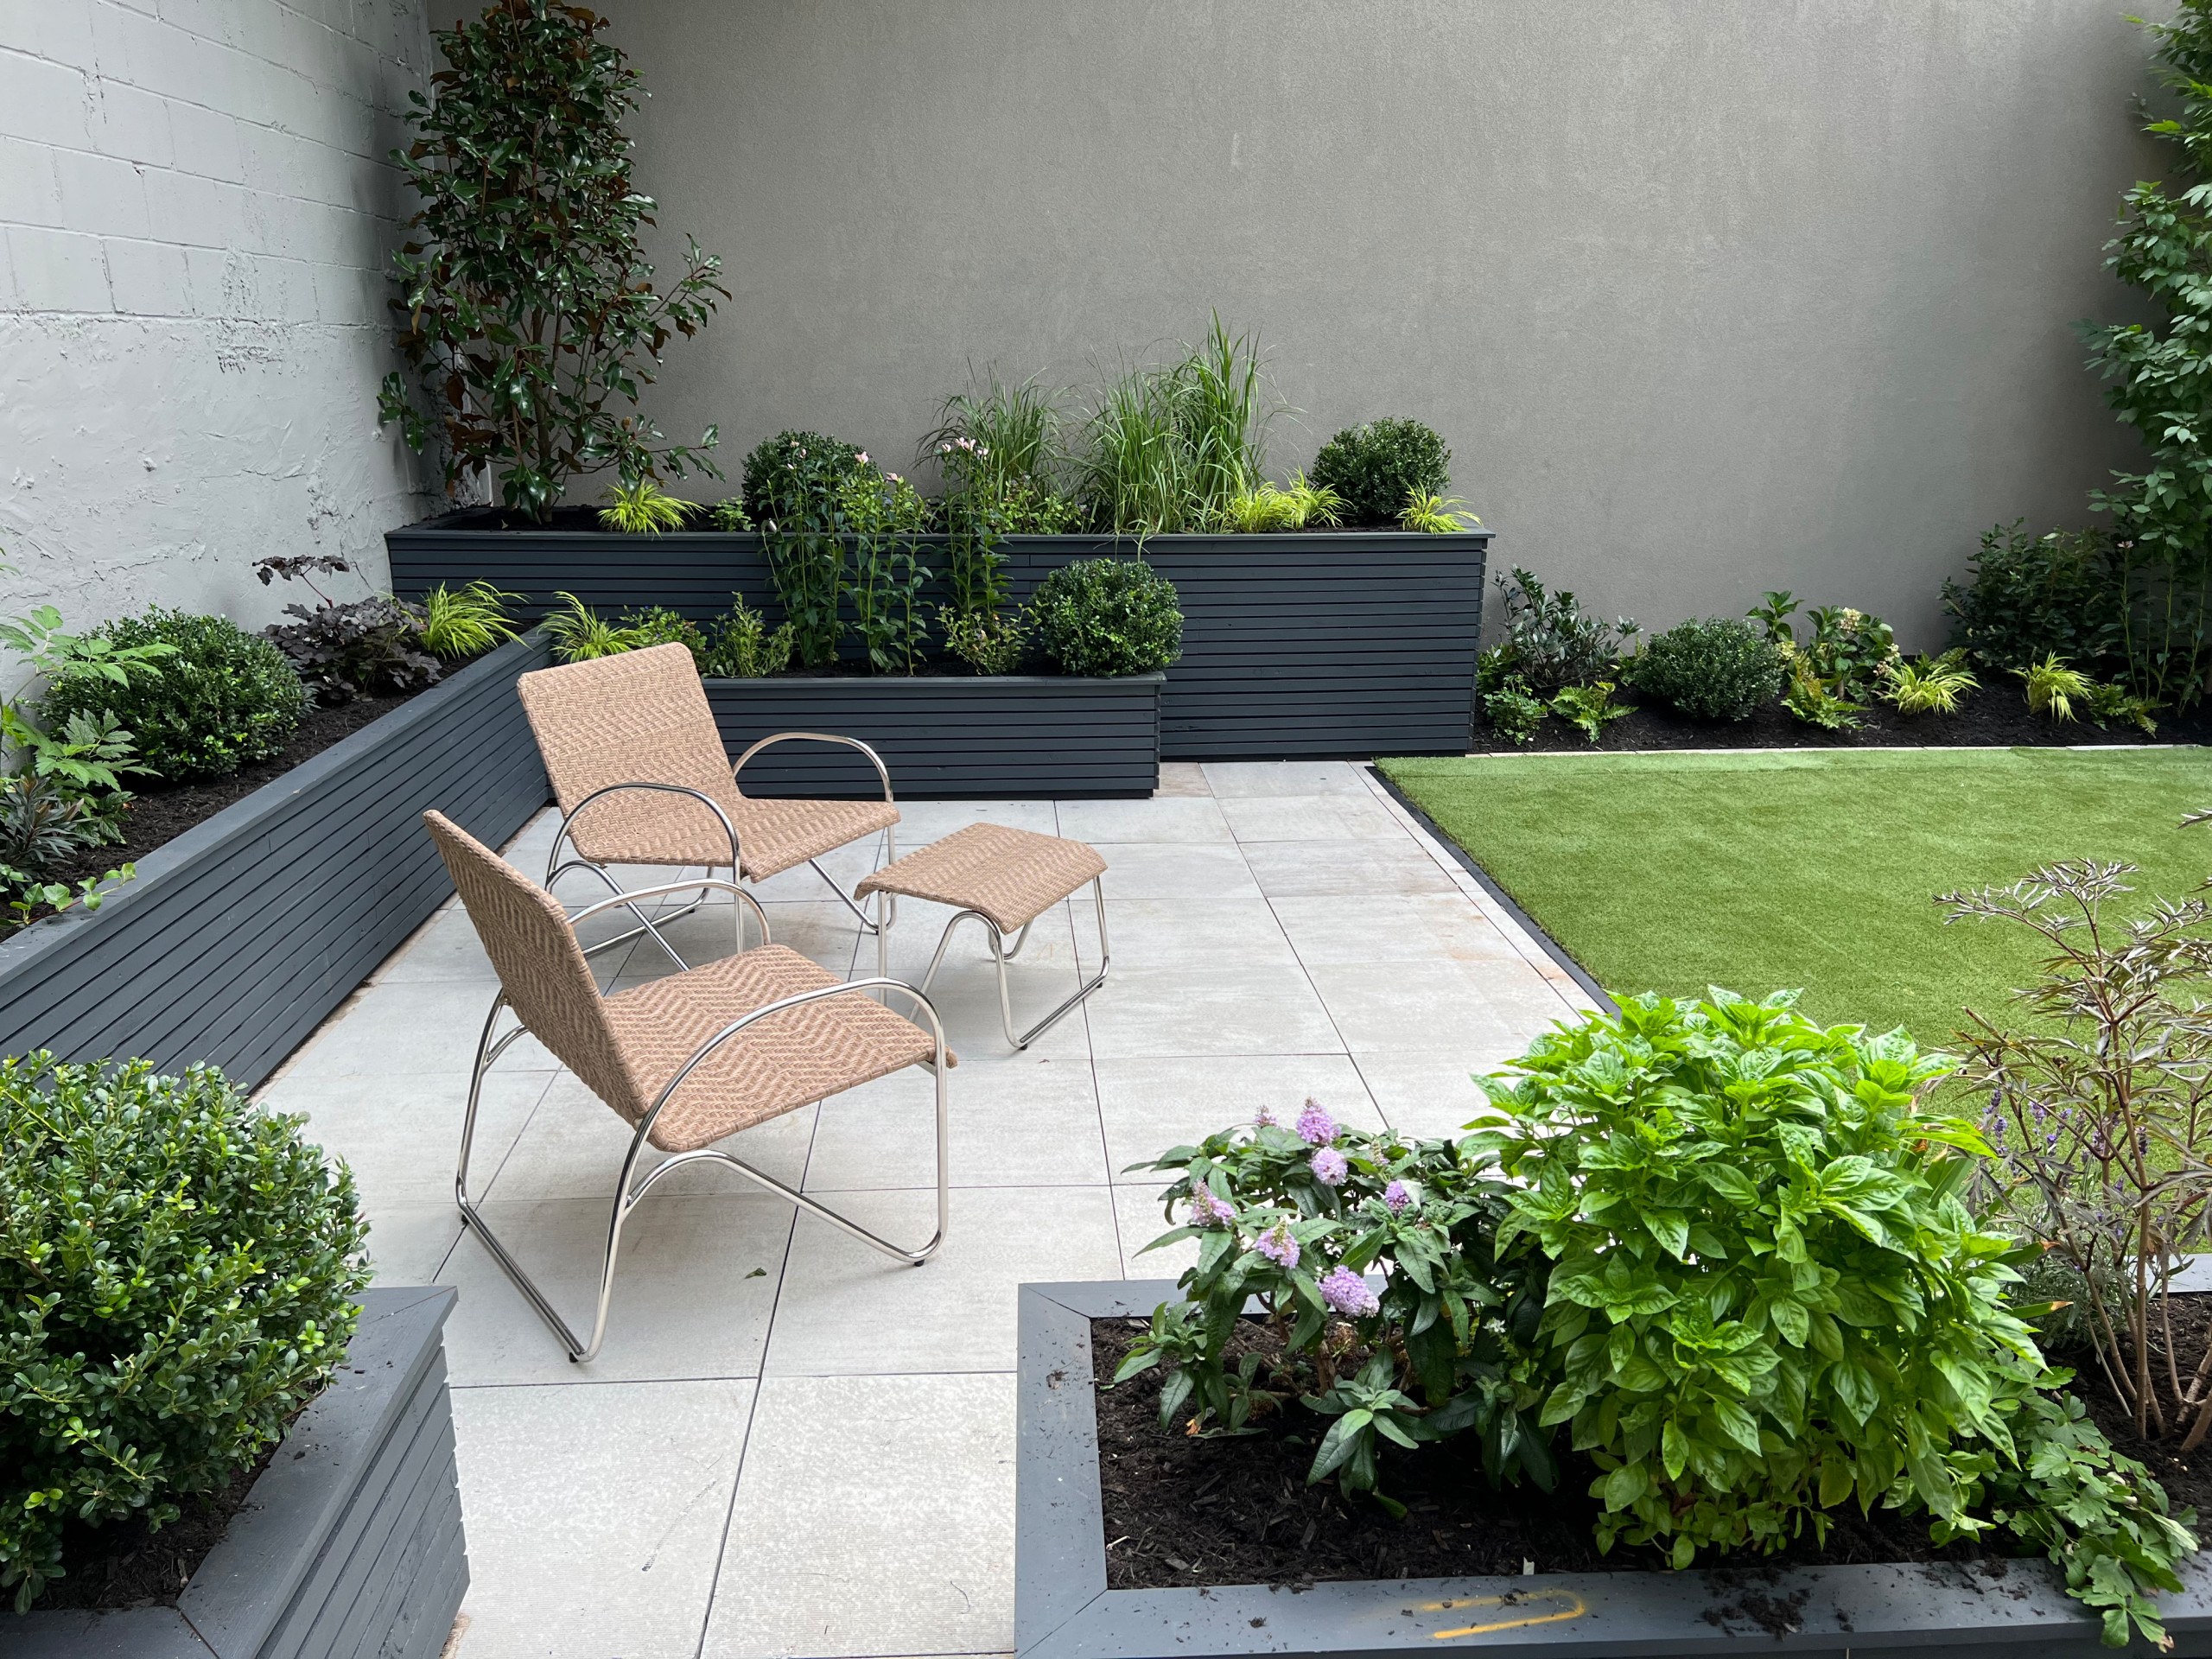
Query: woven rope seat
[[642, 716], [1010, 876]]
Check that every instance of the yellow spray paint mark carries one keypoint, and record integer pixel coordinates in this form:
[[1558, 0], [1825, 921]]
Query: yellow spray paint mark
[[1571, 1607]]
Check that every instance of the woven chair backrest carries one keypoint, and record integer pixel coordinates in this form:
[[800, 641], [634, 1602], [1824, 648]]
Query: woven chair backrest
[[636, 717], [548, 982]]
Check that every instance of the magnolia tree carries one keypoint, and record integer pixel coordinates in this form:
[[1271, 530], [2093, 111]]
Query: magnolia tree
[[529, 314]]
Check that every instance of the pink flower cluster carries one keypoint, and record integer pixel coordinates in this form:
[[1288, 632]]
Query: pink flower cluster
[[1207, 1210]]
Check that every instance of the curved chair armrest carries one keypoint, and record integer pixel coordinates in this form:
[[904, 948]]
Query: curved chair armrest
[[881, 771], [553, 856], [667, 889], [646, 1125]]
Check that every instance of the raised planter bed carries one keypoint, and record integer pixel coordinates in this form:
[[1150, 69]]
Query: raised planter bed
[[945, 736], [1323, 643], [1063, 1609], [238, 936], [351, 1542]]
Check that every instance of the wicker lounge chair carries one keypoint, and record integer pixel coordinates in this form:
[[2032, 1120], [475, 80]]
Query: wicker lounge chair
[[630, 736], [688, 1060]]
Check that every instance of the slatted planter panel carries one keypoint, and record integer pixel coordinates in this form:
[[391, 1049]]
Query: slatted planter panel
[[1340, 643], [351, 1542], [240, 935], [944, 737]]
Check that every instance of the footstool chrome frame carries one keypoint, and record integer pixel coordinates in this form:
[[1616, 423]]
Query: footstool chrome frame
[[1002, 955]]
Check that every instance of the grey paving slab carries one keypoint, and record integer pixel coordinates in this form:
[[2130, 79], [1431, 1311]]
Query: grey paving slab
[[409, 1243], [1149, 1105], [1262, 1009], [1017, 1120], [1231, 778], [1393, 927], [1182, 777], [874, 1515], [847, 1309], [1138, 1213], [1426, 1007], [1343, 817], [429, 1029], [1178, 818], [596, 1514], [923, 821], [400, 1132], [444, 948], [1166, 870], [1186, 933], [1431, 1095], [692, 1291], [1346, 869]]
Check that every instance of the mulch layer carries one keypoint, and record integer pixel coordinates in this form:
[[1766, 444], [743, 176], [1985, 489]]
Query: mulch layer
[[1996, 716], [160, 812], [1182, 1511], [125, 1566]]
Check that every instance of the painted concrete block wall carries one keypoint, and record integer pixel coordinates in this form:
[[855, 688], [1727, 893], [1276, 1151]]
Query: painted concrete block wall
[[1708, 298], [195, 214]]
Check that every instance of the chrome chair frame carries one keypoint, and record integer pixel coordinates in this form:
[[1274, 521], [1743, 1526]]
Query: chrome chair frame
[[1002, 955], [627, 1198], [886, 906]]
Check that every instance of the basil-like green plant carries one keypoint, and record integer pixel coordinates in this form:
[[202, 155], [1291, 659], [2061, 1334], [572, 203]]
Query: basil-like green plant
[[1513, 712], [1767, 1298], [1298, 1214], [1849, 649], [528, 313]]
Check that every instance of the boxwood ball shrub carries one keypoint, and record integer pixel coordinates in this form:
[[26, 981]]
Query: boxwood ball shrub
[[1107, 617], [1378, 467], [1718, 669], [225, 698], [177, 1272]]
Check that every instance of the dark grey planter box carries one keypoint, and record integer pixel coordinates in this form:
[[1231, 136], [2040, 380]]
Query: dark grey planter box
[[1063, 1609], [1336, 643], [240, 935], [351, 1543], [946, 736]]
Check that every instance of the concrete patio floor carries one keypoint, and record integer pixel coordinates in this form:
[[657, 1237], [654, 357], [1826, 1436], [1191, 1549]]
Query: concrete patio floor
[[791, 1445]]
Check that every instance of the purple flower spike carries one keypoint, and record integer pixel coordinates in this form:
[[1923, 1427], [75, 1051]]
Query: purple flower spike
[[1329, 1166], [1315, 1127], [1267, 1119], [1278, 1246], [1207, 1210], [1398, 1197], [1346, 1291]]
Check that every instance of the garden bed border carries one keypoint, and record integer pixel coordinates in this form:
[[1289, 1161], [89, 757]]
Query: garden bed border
[[351, 1541], [1505, 901], [237, 937], [1063, 1609]]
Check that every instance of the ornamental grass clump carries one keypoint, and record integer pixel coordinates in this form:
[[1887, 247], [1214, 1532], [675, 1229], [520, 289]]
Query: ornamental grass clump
[[177, 1276]]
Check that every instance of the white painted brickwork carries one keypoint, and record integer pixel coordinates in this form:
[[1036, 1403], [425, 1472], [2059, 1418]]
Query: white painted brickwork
[[195, 219]]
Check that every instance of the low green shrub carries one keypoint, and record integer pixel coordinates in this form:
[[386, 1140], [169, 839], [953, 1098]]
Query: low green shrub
[[1550, 643], [1716, 669], [177, 1272], [1381, 468], [224, 696], [1767, 1299], [2031, 597], [742, 646], [990, 642], [1107, 617]]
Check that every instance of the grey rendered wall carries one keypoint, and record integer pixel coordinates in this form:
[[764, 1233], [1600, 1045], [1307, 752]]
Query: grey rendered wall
[[1707, 295], [194, 218]]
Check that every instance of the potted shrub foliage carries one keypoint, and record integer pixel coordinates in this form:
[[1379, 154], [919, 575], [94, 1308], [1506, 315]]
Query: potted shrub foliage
[[179, 1276]]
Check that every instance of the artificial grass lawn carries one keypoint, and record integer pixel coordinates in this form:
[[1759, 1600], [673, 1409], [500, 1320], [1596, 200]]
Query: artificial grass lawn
[[1812, 870]]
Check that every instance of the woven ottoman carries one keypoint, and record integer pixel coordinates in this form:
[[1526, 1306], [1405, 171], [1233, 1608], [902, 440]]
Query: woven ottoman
[[1005, 878]]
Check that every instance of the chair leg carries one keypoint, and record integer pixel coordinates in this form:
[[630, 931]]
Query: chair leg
[[626, 1197], [644, 924]]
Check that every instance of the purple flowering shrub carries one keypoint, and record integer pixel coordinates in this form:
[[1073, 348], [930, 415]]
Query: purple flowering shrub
[[1370, 1255]]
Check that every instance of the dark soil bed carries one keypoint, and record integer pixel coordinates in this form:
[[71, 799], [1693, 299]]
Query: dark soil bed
[[1996, 716], [1181, 1511], [126, 1565], [161, 813]]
